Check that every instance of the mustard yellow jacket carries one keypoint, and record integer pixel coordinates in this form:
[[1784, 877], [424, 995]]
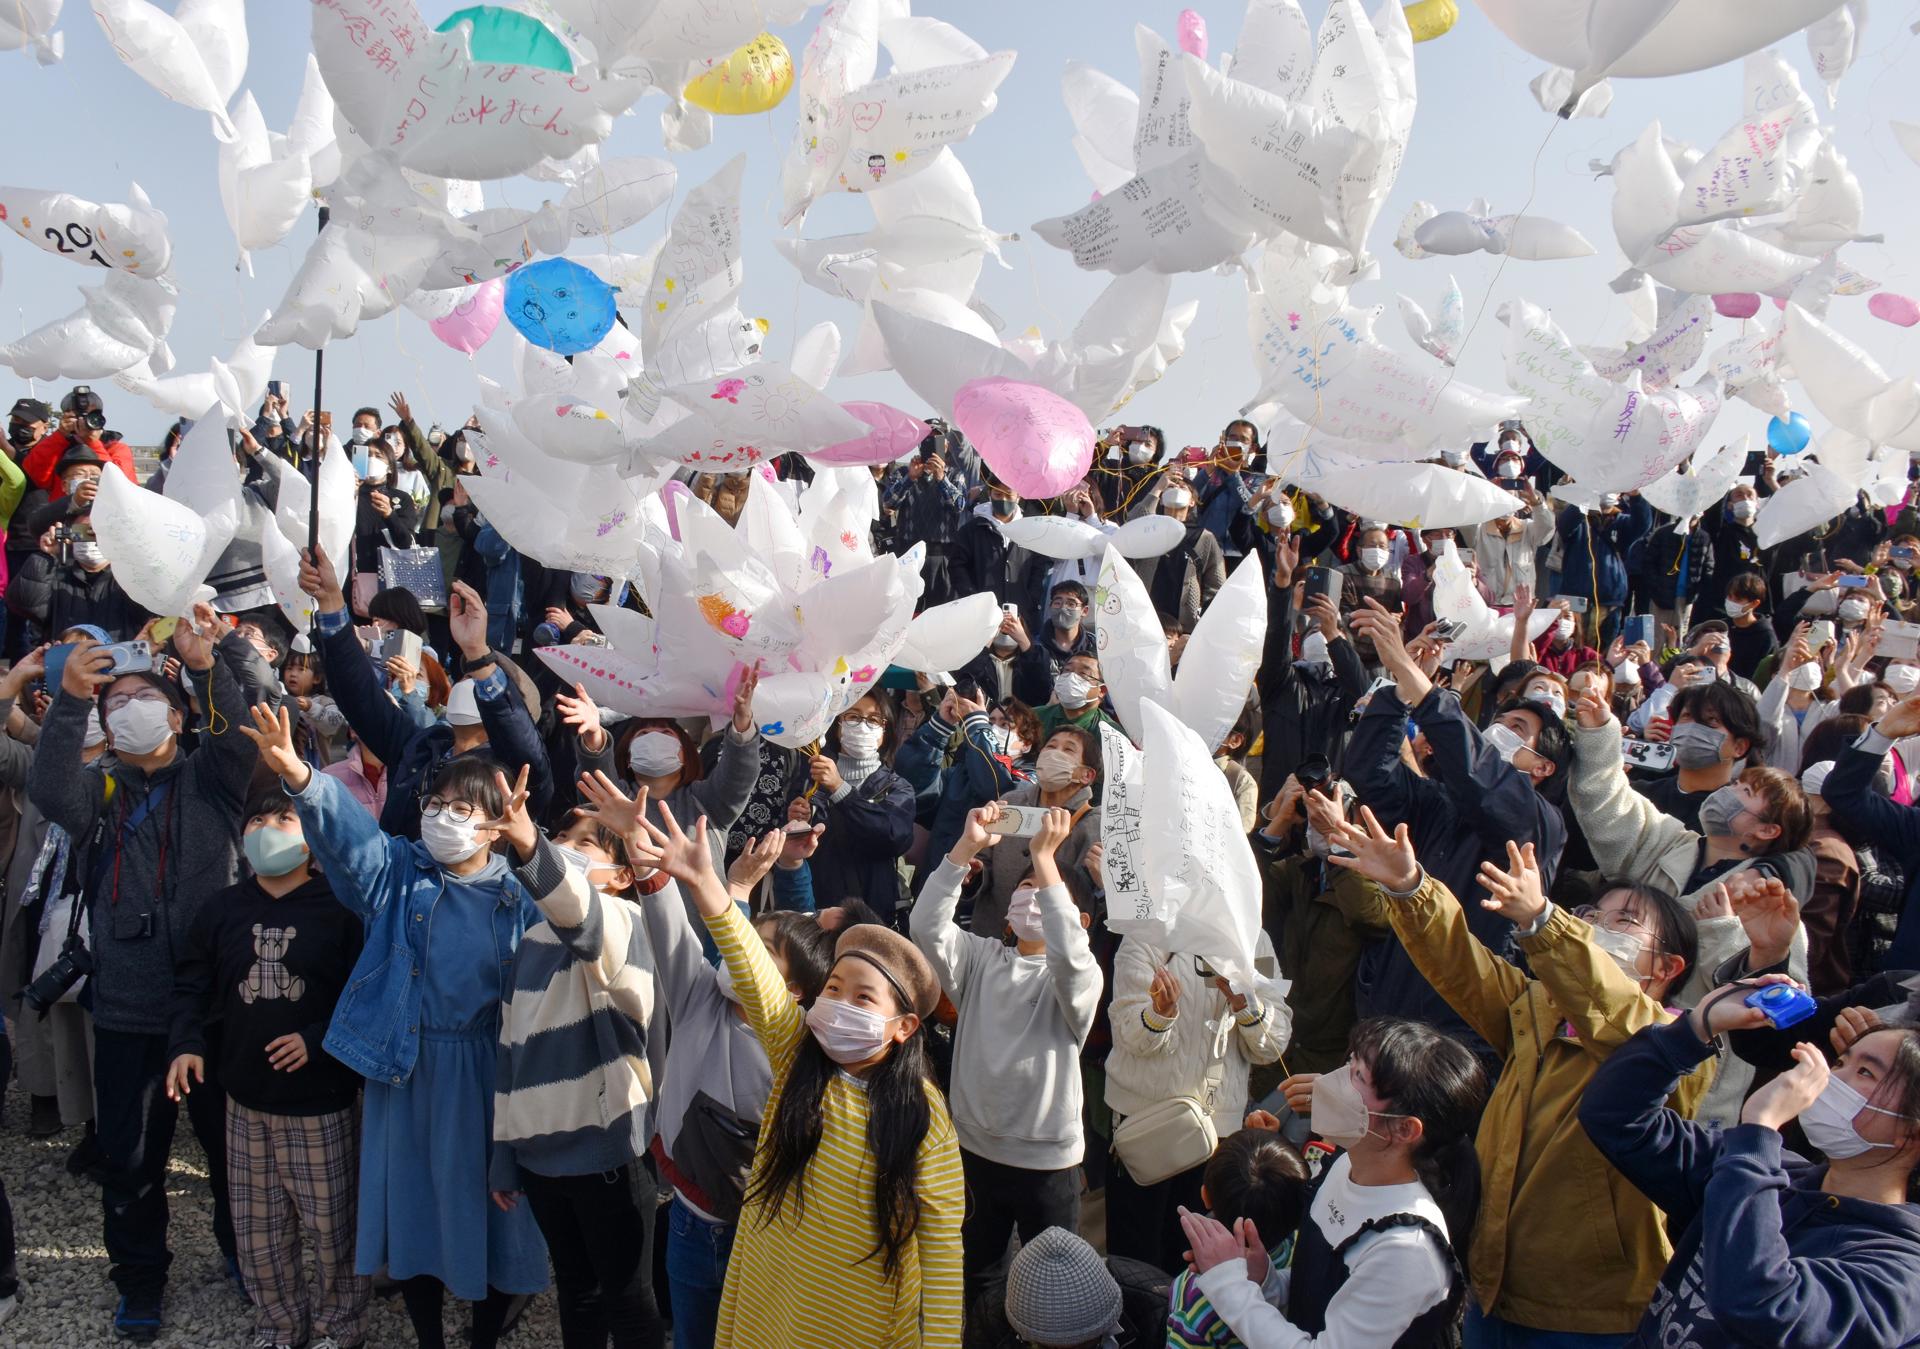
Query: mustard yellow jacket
[[1563, 1241]]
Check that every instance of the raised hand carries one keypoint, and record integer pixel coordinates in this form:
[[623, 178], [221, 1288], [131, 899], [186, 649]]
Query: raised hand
[[975, 837], [1590, 711], [401, 408], [24, 671], [1286, 560], [683, 856], [605, 802], [1386, 859], [467, 621], [272, 735], [318, 579], [1725, 1008], [1851, 1024], [1165, 993], [743, 701], [1896, 723], [1788, 1094], [1323, 617], [1516, 894], [754, 862], [196, 637], [520, 831], [1283, 812], [1209, 1241], [1054, 829], [579, 711], [1768, 912]]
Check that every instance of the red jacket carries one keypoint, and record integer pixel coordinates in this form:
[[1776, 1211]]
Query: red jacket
[[43, 458]]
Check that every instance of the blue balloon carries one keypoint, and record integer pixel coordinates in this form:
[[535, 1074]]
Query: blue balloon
[[1790, 436], [559, 305]]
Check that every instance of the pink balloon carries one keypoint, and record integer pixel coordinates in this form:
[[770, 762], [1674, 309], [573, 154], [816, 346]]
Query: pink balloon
[[1036, 441], [1893, 308], [473, 320], [1738, 305], [894, 434], [1193, 34]]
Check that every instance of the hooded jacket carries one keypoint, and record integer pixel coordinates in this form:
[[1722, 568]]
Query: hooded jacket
[[1763, 1256], [149, 868]]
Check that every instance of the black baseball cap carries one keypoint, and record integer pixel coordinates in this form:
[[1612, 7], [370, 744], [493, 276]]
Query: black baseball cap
[[30, 410]]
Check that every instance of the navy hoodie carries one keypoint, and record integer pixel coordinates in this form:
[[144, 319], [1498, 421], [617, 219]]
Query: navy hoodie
[[1761, 1256]]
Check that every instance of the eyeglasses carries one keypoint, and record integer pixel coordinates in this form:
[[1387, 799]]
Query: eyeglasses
[[120, 700], [880, 722], [1621, 924], [460, 812]]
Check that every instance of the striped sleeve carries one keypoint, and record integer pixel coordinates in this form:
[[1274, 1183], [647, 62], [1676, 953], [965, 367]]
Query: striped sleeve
[[1192, 1322], [771, 1011], [943, 1203]]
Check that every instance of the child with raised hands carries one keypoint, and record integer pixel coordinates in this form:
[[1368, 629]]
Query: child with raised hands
[[1771, 1247], [420, 1021], [717, 1079], [1025, 1011], [850, 1233], [1549, 1198], [574, 1099]]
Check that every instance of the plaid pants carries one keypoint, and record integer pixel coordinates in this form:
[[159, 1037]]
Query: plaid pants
[[306, 1167]]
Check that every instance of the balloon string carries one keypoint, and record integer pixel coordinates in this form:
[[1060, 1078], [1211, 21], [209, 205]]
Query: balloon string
[[1533, 186]]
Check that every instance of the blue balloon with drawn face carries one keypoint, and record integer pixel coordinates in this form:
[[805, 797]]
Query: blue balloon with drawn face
[[559, 305]]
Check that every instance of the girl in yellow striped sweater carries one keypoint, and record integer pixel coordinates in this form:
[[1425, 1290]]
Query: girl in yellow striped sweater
[[851, 1230]]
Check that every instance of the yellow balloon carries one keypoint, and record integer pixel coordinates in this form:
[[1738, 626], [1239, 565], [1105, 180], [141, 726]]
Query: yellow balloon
[[752, 79], [1430, 18]]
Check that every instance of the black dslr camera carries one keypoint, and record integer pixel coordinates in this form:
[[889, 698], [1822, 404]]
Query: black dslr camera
[[84, 402], [74, 964]]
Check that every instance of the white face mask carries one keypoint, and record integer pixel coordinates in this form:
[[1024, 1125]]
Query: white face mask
[[1735, 609], [360, 436], [1744, 509], [1626, 672], [847, 1034], [449, 842], [1176, 498], [1507, 468], [1280, 517], [1023, 914], [1055, 769], [1373, 559], [859, 739], [1073, 691], [1313, 648], [1828, 1122], [1551, 695], [376, 469], [88, 554], [1339, 1112], [1139, 452], [1624, 948], [1563, 630], [1902, 679], [1806, 677], [654, 754], [1851, 611], [141, 726], [1506, 742]]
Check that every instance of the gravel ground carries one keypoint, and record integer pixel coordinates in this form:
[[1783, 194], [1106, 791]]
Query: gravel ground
[[66, 1301]]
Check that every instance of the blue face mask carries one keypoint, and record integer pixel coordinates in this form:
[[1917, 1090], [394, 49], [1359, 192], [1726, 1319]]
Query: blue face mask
[[274, 852]]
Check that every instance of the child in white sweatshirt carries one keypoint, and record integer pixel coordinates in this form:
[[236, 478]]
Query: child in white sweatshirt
[[1025, 1011]]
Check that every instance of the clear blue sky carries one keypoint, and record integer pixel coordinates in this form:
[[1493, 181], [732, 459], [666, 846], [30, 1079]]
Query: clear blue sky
[[88, 125]]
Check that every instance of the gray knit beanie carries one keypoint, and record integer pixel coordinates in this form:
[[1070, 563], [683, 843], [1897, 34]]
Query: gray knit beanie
[[1059, 1291]]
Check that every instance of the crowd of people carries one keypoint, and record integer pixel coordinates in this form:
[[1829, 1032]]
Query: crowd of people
[[469, 986]]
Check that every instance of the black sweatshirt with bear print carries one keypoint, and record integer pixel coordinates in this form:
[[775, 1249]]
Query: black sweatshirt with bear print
[[256, 968]]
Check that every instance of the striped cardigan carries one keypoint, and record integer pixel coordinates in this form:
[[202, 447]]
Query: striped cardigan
[[574, 1092]]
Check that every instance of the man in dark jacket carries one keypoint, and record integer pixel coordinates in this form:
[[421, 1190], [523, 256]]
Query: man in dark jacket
[[499, 725], [1484, 789], [1305, 704], [929, 508], [1894, 828], [1595, 546], [1671, 566], [982, 559], [155, 832], [1066, 632]]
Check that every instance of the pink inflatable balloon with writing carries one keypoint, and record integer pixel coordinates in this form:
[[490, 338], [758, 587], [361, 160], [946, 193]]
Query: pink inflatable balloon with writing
[[473, 320], [1036, 441], [1193, 34], [1737, 305], [1893, 308], [894, 434]]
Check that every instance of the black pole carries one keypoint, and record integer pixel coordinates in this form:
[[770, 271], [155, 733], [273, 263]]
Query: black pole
[[319, 440]]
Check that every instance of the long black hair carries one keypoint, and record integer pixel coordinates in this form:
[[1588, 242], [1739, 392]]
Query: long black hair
[[898, 1117], [1418, 1071]]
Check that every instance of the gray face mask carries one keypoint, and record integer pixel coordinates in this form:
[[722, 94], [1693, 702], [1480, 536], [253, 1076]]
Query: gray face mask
[[1696, 746], [1720, 810]]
